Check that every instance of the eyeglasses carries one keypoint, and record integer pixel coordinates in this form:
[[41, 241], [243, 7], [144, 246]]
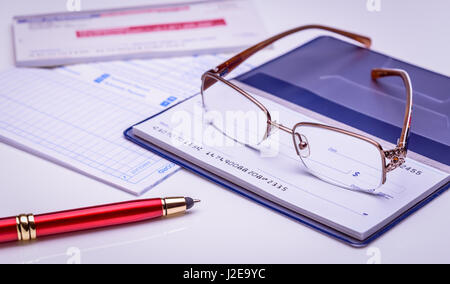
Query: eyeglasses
[[337, 156]]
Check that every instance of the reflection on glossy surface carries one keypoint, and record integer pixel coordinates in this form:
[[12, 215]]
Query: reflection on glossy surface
[[74, 255]]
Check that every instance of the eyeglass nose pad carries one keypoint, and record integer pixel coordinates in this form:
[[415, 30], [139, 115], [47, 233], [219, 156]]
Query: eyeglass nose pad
[[208, 117], [302, 145]]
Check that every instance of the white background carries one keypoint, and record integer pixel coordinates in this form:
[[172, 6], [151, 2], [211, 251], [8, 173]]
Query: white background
[[226, 228]]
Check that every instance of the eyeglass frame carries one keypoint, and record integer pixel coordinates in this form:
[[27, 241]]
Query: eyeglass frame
[[396, 156]]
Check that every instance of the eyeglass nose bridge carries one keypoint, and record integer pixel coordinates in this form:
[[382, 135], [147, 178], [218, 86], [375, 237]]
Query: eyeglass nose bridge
[[301, 143], [275, 125]]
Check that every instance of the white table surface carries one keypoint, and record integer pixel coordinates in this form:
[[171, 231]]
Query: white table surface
[[225, 227]]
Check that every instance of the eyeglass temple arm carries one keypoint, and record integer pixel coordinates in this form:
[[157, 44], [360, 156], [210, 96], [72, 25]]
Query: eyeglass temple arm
[[379, 73], [234, 62]]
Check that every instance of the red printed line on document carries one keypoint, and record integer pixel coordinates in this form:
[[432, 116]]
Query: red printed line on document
[[152, 28]]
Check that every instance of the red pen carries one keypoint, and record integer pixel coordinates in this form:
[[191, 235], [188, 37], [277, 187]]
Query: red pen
[[28, 227]]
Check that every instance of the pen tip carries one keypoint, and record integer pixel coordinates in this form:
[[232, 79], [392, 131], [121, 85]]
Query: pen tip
[[190, 202]]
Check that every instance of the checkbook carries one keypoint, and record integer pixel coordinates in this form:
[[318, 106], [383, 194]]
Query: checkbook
[[319, 82]]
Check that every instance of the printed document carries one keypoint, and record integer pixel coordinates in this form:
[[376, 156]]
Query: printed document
[[76, 115], [164, 30]]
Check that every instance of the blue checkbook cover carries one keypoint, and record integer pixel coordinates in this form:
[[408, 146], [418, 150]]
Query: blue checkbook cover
[[332, 77]]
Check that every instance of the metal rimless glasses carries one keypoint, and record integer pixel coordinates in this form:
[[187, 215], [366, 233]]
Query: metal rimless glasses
[[332, 154]]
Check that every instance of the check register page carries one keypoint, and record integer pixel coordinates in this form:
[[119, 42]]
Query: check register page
[[281, 177], [75, 115]]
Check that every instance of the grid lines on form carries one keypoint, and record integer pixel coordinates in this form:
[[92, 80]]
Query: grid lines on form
[[64, 116]]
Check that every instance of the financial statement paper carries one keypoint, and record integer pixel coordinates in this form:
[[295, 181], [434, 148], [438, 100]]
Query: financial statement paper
[[75, 115]]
